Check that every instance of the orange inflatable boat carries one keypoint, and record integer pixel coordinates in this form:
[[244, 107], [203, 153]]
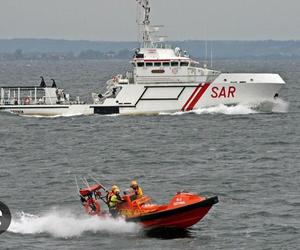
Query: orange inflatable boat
[[183, 210]]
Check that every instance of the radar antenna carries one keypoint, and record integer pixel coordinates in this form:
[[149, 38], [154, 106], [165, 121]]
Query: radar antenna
[[147, 41]]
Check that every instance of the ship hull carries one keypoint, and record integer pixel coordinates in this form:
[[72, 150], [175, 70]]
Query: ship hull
[[49, 110], [182, 217], [227, 89], [212, 96], [135, 99]]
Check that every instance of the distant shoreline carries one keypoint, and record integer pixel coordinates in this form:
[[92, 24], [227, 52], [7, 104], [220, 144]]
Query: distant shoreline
[[15, 49]]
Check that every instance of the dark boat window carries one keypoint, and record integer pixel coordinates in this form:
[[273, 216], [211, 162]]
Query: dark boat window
[[174, 64], [157, 64], [167, 64], [139, 56], [149, 64], [140, 64], [184, 64], [158, 71]]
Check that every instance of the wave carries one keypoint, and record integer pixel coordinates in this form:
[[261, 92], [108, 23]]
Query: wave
[[220, 109], [226, 110], [64, 224], [280, 106], [276, 106], [50, 116]]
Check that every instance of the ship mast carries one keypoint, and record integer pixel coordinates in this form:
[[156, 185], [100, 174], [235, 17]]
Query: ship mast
[[146, 30]]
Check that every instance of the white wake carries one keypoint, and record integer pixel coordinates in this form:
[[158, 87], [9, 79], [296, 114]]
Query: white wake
[[220, 109], [227, 110], [50, 116], [277, 106], [280, 106], [65, 224]]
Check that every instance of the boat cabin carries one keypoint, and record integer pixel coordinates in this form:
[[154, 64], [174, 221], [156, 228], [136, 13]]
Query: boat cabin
[[167, 65]]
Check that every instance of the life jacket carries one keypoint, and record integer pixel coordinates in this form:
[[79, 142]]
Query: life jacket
[[108, 197], [114, 200], [138, 192]]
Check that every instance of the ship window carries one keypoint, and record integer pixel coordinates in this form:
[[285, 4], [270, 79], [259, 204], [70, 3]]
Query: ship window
[[149, 64], [184, 64], [157, 64], [140, 64], [139, 56], [167, 64], [174, 64], [160, 71]]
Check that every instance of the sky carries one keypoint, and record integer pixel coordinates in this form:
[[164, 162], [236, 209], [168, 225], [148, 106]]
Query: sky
[[115, 20]]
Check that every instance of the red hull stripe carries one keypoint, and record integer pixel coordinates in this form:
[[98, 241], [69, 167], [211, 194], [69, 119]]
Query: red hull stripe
[[190, 98], [198, 96], [157, 60], [162, 60]]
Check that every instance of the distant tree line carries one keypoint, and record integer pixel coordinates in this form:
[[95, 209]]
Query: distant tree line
[[88, 54], [22, 49]]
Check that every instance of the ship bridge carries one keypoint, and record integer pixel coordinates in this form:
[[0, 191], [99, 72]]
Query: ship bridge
[[167, 65]]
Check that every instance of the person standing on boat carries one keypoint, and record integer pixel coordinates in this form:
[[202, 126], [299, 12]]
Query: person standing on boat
[[110, 193], [91, 201], [113, 201], [53, 83], [137, 189], [43, 84]]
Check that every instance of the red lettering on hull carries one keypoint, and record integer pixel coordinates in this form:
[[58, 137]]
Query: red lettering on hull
[[225, 92], [231, 91], [214, 92]]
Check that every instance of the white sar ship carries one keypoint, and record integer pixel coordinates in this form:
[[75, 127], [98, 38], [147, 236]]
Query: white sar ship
[[163, 79]]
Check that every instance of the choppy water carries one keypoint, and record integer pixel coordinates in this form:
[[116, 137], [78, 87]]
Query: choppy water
[[250, 159]]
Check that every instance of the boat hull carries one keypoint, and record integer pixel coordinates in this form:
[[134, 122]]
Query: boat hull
[[182, 217], [135, 99], [227, 89], [49, 110]]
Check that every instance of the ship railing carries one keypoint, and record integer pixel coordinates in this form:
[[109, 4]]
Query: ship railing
[[20, 95]]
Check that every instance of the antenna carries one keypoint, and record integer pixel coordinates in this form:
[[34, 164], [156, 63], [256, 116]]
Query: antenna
[[205, 44], [146, 31], [138, 20], [147, 41], [211, 56], [205, 50]]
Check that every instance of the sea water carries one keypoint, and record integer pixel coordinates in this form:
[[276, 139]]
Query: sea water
[[249, 158]]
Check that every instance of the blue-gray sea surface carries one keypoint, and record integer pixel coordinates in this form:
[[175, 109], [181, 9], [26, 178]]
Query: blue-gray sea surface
[[249, 159]]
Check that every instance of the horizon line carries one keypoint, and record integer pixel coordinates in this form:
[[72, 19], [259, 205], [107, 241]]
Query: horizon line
[[132, 41]]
